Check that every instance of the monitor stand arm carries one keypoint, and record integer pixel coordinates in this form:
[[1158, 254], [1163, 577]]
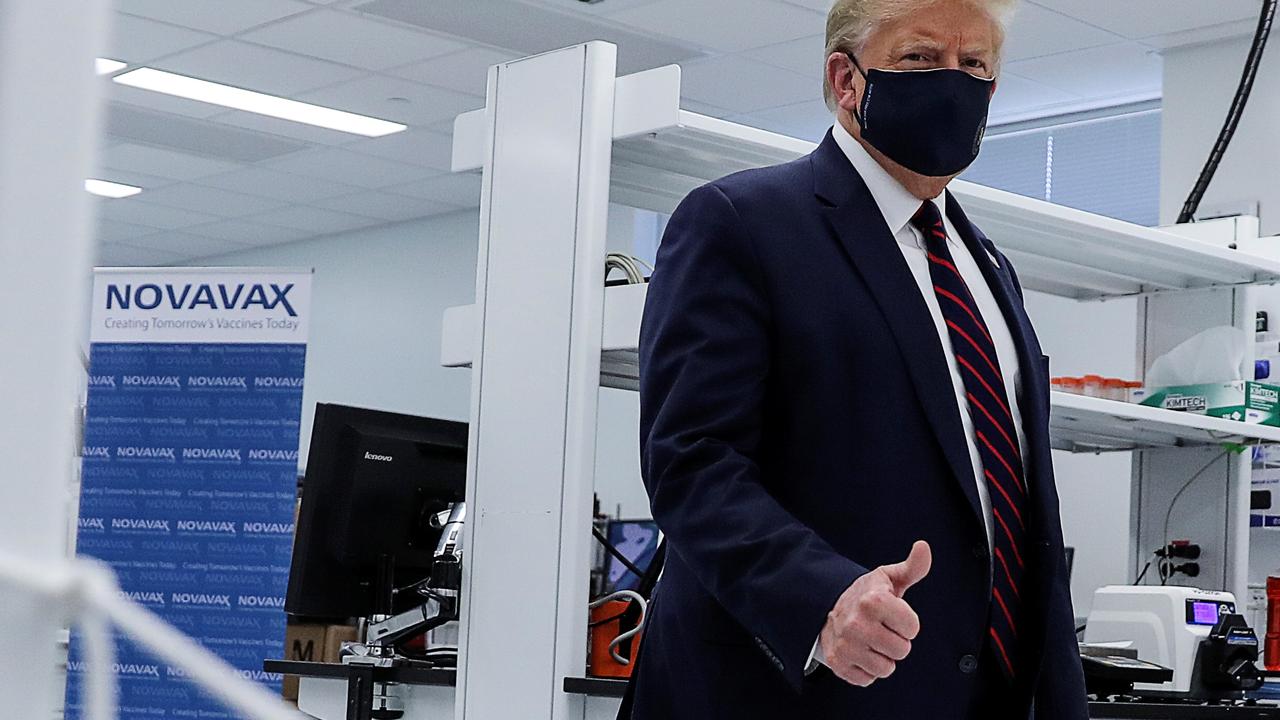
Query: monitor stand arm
[[441, 590], [436, 611]]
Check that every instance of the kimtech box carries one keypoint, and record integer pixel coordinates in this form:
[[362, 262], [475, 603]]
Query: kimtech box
[[1242, 400]]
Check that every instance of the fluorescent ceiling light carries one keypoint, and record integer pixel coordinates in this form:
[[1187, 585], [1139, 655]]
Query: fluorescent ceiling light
[[108, 189], [106, 66], [256, 102]]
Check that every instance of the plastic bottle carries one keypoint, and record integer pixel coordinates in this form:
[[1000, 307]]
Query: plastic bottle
[[1115, 389]]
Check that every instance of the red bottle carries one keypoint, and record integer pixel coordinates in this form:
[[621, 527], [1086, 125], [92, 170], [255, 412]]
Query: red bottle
[[1272, 645]]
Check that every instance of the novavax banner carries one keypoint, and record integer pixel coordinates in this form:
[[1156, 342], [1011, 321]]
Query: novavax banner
[[190, 466]]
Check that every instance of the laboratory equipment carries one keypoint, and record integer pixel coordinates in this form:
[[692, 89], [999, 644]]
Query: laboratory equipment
[[1197, 633], [1112, 671]]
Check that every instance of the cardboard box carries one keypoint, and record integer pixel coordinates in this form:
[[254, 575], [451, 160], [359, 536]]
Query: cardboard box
[[313, 643], [334, 636], [1244, 401]]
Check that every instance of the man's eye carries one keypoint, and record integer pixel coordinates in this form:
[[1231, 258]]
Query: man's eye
[[915, 57], [975, 63]]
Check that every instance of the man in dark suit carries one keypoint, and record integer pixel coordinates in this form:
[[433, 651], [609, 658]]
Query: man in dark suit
[[844, 417]]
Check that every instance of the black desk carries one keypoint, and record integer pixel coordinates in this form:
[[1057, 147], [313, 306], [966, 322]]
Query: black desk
[[595, 687], [1168, 711], [406, 675], [360, 681], [361, 678], [606, 687]]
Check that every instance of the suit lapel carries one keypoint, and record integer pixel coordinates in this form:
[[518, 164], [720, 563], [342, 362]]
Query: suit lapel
[[857, 222]]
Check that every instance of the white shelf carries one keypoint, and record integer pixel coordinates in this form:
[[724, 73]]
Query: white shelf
[[1077, 423], [1077, 254], [661, 152], [1086, 424], [623, 307]]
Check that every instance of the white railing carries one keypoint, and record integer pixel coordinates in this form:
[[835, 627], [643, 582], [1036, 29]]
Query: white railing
[[87, 592]]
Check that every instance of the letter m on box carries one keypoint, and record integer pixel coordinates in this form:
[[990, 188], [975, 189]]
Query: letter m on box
[[303, 649]]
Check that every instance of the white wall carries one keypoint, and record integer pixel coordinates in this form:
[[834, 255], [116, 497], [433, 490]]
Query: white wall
[[1091, 338], [378, 297], [1199, 83]]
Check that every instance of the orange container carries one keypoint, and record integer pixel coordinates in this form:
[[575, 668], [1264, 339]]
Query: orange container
[[1071, 384], [606, 624]]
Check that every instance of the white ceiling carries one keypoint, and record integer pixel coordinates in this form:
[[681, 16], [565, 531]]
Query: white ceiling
[[218, 180]]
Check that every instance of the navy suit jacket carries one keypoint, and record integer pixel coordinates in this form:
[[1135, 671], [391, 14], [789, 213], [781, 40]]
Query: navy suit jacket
[[798, 428]]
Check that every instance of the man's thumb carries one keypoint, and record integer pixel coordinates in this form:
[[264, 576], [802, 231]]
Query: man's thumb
[[912, 570]]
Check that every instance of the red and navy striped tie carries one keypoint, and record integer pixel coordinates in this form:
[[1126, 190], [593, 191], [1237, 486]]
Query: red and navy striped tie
[[994, 434]]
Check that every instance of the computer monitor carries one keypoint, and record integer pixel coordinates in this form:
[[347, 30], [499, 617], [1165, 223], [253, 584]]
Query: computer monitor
[[637, 540], [373, 482]]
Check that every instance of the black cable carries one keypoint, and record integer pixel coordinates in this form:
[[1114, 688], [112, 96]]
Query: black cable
[[1142, 574], [608, 546], [1174, 502], [438, 657], [650, 578], [1234, 114], [412, 585]]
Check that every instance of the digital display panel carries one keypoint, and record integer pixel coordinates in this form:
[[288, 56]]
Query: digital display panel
[[1207, 612], [1204, 613]]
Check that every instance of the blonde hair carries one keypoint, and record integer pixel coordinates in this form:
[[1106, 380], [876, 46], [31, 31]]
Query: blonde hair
[[851, 22]]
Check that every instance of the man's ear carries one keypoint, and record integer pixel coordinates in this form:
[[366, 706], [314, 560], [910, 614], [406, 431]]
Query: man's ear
[[840, 67], [992, 91]]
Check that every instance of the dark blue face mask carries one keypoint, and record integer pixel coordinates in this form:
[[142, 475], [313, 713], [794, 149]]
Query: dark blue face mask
[[928, 121]]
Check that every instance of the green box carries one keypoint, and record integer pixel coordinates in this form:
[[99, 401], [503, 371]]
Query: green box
[[1242, 400]]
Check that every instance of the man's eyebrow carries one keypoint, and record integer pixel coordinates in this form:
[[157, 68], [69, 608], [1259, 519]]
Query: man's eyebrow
[[918, 42], [977, 50]]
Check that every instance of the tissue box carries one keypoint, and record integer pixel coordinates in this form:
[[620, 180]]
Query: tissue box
[[1245, 401]]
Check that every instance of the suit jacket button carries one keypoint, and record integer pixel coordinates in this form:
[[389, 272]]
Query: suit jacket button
[[968, 664], [980, 551]]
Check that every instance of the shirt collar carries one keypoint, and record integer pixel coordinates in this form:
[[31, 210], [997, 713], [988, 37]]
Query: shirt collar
[[896, 204]]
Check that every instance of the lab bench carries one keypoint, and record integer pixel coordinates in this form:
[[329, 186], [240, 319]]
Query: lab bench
[[609, 688], [327, 687]]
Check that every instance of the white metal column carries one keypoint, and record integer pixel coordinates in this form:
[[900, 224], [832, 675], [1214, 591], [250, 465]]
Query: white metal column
[[49, 106], [535, 382]]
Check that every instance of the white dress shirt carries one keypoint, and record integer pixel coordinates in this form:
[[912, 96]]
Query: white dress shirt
[[898, 206]]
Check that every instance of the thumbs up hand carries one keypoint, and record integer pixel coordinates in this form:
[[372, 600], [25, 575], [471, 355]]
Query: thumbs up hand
[[871, 627]]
